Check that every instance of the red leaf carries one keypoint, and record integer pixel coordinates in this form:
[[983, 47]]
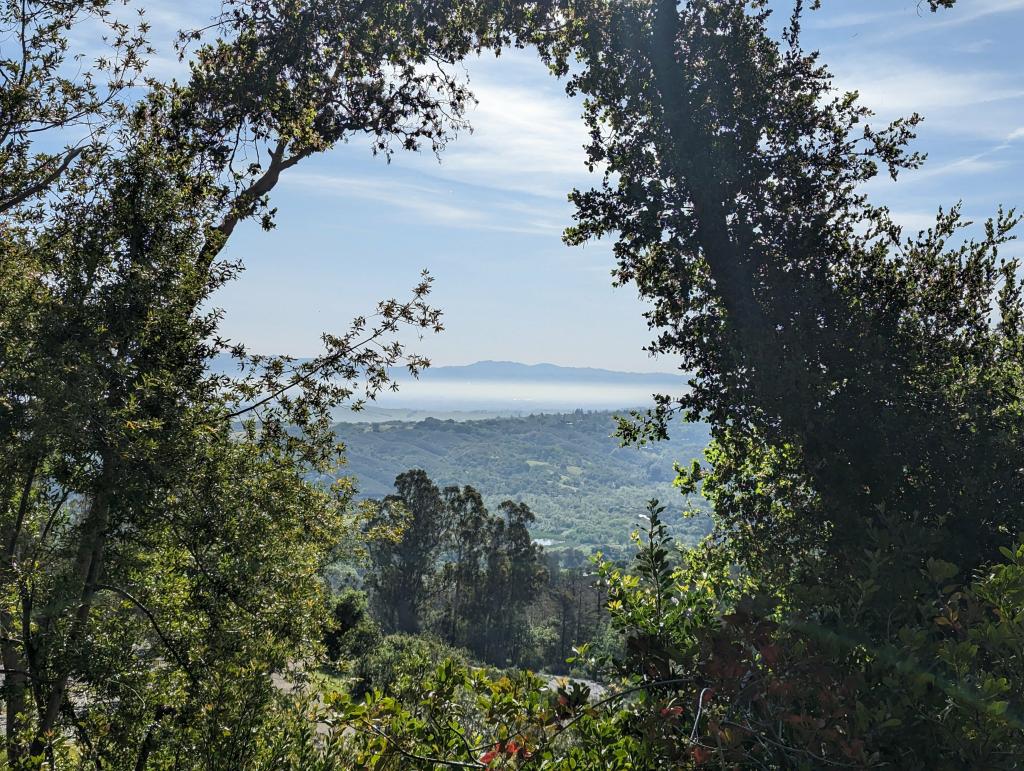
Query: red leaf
[[487, 757], [700, 755]]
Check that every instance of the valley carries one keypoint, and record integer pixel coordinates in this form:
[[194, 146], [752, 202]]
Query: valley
[[585, 489]]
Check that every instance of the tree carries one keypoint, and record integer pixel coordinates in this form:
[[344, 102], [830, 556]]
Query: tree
[[515, 576], [707, 679], [163, 528], [352, 631], [456, 570], [400, 571], [493, 573], [152, 543], [857, 380], [462, 572], [45, 106]]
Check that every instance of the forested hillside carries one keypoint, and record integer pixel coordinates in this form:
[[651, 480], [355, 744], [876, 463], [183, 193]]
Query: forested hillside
[[585, 489]]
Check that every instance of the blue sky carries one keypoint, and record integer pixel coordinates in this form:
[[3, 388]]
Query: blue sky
[[486, 219]]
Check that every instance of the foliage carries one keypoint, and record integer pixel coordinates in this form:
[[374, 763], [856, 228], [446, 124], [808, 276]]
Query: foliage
[[716, 677], [399, 664], [786, 690], [164, 529], [152, 550], [732, 182], [351, 631], [47, 103], [569, 612], [494, 575], [457, 570], [400, 570]]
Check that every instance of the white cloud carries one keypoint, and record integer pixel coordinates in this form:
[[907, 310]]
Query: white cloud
[[430, 203], [522, 131], [977, 103], [912, 20], [825, 20], [528, 136], [966, 12], [976, 46], [914, 221], [897, 86], [971, 164]]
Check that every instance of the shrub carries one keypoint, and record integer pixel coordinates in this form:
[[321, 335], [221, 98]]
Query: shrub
[[399, 664], [765, 684], [351, 631]]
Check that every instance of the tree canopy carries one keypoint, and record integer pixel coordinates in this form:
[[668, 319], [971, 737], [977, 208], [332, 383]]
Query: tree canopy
[[869, 378], [165, 531]]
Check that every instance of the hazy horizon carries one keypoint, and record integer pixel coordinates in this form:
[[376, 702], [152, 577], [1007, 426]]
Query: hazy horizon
[[514, 395]]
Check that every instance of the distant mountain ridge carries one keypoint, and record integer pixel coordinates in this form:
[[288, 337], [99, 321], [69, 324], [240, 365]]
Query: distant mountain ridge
[[512, 371], [508, 387], [508, 371]]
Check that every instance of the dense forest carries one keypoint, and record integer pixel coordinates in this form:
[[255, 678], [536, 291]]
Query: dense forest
[[585, 488], [189, 580]]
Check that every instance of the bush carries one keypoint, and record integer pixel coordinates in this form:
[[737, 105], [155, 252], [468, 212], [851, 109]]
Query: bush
[[763, 684], [351, 631], [711, 674], [399, 664]]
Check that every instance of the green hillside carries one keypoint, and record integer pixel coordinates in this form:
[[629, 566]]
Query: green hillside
[[585, 489]]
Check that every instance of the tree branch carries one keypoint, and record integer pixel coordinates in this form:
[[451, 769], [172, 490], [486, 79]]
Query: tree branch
[[244, 201], [422, 758], [42, 184], [328, 360], [178, 657]]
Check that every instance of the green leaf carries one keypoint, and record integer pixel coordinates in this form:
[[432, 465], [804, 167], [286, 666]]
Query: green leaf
[[997, 707]]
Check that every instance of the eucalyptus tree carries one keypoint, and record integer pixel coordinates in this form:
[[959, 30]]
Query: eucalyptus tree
[[493, 572], [400, 571]]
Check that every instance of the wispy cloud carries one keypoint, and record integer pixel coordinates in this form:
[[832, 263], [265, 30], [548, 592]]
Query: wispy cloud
[[825, 20], [520, 131], [895, 87], [912, 19], [965, 13], [979, 163], [976, 46], [914, 221], [432, 204], [527, 135]]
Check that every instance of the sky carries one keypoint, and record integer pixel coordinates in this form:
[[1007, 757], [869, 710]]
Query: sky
[[486, 218]]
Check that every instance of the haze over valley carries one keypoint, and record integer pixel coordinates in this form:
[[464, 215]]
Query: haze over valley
[[511, 388]]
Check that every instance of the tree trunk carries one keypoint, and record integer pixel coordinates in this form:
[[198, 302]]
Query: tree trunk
[[16, 668], [87, 572], [15, 695]]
